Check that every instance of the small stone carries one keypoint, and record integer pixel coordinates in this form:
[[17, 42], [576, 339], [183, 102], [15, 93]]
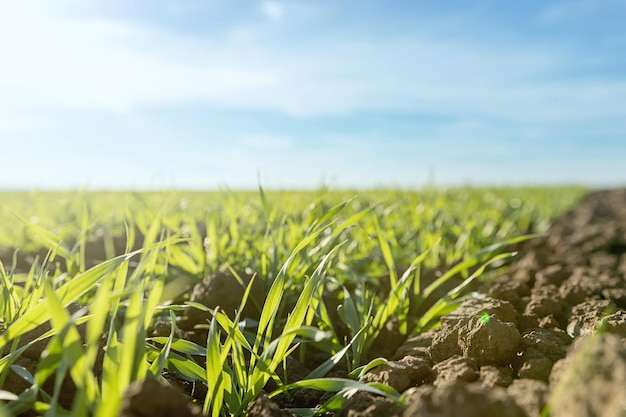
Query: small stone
[[416, 346], [477, 307], [508, 290]]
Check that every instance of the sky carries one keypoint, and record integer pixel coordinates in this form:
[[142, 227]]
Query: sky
[[202, 94]]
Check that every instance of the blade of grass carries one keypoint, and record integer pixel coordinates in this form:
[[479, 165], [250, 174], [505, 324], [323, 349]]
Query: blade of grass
[[70, 347], [68, 293], [442, 304], [338, 384], [474, 260], [51, 241], [181, 345], [387, 256], [323, 369], [159, 364], [214, 371]]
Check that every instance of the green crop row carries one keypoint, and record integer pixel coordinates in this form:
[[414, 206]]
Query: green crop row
[[339, 267]]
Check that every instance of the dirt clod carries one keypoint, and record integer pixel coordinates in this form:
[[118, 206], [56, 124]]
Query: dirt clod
[[492, 376], [456, 369], [529, 394], [592, 379], [222, 289], [464, 400], [262, 406], [489, 340], [365, 405], [401, 375], [152, 398]]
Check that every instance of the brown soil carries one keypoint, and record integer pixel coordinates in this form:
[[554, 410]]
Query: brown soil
[[152, 398], [551, 333]]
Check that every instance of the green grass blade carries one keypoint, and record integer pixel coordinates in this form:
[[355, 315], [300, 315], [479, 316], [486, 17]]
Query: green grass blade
[[71, 350], [358, 373], [186, 367], [326, 366], [183, 346], [99, 308], [159, 364], [330, 214], [351, 221], [338, 384], [10, 301], [67, 293], [133, 336], [274, 297], [49, 239], [387, 256], [214, 371]]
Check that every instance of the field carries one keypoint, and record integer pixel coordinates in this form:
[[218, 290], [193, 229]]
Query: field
[[295, 303]]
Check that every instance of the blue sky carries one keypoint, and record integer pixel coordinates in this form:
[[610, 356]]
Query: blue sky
[[205, 94]]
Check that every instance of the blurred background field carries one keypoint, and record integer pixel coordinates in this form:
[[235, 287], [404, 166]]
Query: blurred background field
[[464, 218]]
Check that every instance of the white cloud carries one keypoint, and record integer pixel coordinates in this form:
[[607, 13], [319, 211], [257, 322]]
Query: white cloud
[[272, 9], [55, 62], [60, 63]]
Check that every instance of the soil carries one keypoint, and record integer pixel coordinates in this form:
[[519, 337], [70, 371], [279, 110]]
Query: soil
[[550, 334]]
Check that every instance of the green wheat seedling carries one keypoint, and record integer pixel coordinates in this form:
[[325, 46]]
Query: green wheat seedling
[[240, 381], [233, 380], [36, 314], [125, 358]]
